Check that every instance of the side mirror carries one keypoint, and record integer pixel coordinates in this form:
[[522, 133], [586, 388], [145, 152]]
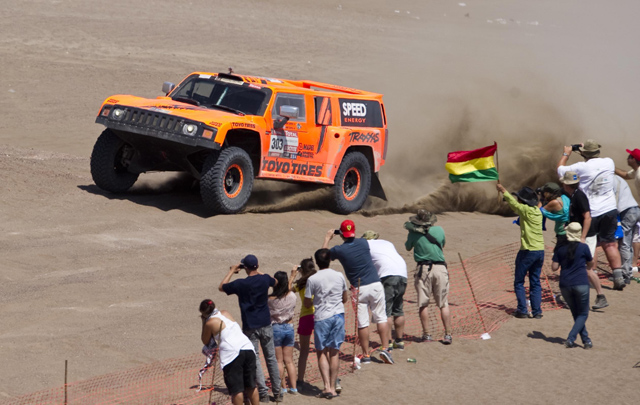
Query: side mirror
[[286, 113], [289, 111], [167, 87]]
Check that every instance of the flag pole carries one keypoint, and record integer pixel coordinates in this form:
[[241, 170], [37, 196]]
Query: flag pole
[[497, 168]]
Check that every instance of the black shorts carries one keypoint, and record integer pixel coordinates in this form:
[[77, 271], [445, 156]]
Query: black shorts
[[605, 226], [240, 374]]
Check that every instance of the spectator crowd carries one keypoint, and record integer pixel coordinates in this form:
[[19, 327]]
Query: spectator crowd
[[592, 205]]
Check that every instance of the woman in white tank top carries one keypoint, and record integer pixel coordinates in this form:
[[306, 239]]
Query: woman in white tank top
[[237, 355]]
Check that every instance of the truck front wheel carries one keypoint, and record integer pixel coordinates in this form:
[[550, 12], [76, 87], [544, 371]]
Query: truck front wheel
[[227, 180], [109, 163], [352, 183]]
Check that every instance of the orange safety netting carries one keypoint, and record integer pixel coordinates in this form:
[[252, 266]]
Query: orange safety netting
[[481, 298]]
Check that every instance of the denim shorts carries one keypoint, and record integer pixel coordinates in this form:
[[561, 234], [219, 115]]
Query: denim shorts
[[283, 334], [329, 333]]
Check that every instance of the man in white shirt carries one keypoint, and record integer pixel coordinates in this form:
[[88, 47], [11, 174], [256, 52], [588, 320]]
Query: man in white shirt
[[597, 182], [327, 292], [633, 160], [629, 216], [392, 270]]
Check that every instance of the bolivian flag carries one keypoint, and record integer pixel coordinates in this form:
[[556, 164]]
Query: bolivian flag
[[472, 165]]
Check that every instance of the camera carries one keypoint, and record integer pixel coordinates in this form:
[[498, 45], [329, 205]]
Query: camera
[[576, 147], [241, 266], [539, 190], [337, 232]]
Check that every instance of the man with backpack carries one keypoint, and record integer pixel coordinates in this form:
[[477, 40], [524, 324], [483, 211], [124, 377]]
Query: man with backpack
[[431, 278]]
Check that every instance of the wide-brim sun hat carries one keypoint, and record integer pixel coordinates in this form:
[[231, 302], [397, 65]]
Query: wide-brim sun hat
[[527, 196], [574, 232], [570, 178], [423, 218], [591, 148], [370, 235]]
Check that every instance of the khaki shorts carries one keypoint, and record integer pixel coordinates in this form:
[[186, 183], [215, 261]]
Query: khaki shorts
[[371, 298], [433, 284]]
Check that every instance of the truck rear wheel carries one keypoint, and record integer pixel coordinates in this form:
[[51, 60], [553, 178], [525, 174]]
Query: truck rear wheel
[[227, 180], [109, 163], [352, 183]]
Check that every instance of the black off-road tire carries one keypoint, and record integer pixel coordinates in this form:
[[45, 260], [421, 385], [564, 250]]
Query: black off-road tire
[[352, 183], [109, 163], [227, 180]]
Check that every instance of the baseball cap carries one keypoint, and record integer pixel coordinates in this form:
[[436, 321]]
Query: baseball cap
[[348, 228], [635, 153], [250, 262]]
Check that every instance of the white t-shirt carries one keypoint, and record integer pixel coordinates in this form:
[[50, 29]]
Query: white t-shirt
[[386, 259], [231, 340], [596, 181], [624, 195], [635, 174], [326, 288]]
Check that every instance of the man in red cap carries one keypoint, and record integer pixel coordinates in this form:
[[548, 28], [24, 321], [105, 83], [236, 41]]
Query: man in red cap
[[633, 160], [355, 257]]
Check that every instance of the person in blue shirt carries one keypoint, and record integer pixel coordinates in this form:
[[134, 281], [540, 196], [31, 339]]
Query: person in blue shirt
[[253, 296], [355, 257]]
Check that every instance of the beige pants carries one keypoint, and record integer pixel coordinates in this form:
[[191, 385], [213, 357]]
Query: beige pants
[[433, 284]]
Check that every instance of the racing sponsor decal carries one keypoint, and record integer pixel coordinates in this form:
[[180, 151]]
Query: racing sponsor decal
[[360, 113], [283, 143], [367, 137], [242, 125], [172, 107], [286, 167], [253, 86], [111, 101], [160, 110], [214, 124], [305, 151]]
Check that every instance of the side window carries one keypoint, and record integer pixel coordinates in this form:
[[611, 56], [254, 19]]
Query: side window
[[323, 110], [295, 100], [360, 113]]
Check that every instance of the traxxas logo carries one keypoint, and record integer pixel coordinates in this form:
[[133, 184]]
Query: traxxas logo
[[371, 137], [354, 110]]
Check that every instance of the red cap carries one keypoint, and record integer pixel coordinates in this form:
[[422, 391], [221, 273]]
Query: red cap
[[635, 153], [348, 228]]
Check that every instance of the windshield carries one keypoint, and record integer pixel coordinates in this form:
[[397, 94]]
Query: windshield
[[212, 92]]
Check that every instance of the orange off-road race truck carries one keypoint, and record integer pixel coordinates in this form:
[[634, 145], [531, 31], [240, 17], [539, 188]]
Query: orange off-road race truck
[[227, 129]]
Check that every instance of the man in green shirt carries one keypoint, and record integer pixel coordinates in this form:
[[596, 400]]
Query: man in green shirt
[[431, 278], [531, 255]]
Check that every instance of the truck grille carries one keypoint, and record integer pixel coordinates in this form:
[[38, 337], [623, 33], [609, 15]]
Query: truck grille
[[152, 119]]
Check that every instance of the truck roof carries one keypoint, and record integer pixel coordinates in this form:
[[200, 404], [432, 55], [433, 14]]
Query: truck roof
[[284, 84]]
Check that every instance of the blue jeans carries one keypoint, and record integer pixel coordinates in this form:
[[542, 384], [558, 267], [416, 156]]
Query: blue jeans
[[529, 262], [628, 220], [577, 297]]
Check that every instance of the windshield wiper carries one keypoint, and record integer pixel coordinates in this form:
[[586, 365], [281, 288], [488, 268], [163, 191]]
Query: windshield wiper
[[224, 107], [187, 100]]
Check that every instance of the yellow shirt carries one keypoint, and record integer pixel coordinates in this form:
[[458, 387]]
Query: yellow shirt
[[530, 224], [304, 311]]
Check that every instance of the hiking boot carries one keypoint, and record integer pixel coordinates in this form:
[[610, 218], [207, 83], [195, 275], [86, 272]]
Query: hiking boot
[[447, 340], [569, 344], [398, 345], [588, 345], [601, 302], [520, 315], [365, 360], [426, 337], [537, 316], [618, 280], [386, 356], [265, 399]]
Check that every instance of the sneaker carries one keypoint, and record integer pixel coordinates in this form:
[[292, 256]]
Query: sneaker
[[265, 399], [569, 344], [634, 269], [279, 398], [365, 360], [601, 302], [398, 345], [338, 386], [386, 356], [293, 391], [537, 316], [447, 340], [426, 337], [520, 315], [588, 345]]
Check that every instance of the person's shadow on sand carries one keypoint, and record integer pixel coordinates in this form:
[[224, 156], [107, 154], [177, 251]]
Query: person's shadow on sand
[[539, 335]]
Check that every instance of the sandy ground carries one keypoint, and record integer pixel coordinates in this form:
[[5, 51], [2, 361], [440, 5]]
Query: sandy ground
[[110, 283]]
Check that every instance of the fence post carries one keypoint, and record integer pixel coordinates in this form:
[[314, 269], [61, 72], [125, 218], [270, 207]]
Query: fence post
[[213, 374], [473, 294], [66, 368], [356, 339]]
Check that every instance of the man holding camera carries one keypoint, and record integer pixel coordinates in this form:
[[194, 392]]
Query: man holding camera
[[597, 182], [253, 292], [355, 256]]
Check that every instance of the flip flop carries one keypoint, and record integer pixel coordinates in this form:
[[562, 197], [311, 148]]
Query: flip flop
[[329, 395]]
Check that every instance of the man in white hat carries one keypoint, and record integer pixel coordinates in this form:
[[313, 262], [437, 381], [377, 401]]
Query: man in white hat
[[597, 182]]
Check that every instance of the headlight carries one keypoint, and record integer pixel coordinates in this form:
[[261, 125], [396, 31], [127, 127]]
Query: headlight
[[117, 114], [189, 129]]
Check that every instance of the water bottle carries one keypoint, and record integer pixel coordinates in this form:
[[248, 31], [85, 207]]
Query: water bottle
[[410, 360]]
